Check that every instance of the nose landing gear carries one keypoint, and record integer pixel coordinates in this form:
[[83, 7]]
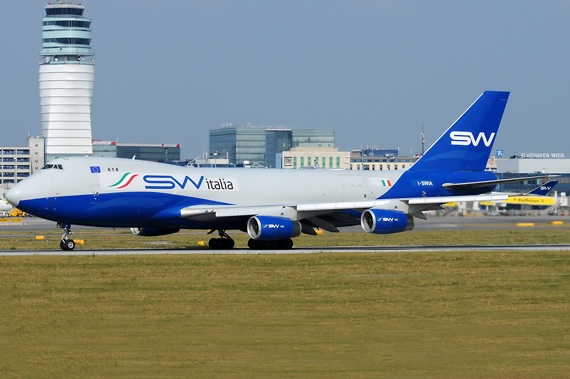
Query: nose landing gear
[[66, 243]]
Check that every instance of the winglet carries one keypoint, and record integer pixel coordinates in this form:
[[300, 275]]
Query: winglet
[[467, 144]]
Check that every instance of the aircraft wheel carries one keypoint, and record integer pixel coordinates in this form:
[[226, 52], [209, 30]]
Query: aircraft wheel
[[229, 244], [67, 245], [70, 244], [214, 243], [254, 244], [287, 244]]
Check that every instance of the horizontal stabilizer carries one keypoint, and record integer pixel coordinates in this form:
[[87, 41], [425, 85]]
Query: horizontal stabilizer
[[487, 183]]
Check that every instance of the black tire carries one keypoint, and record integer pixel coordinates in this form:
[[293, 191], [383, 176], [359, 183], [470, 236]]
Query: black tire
[[287, 244], [228, 243], [214, 243], [69, 245], [62, 245], [254, 244]]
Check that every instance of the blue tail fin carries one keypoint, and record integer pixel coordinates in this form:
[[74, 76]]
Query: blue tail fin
[[543, 189], [467, 144]]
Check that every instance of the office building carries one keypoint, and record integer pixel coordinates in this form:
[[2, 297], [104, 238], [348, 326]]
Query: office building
[[17, 163], [377, 159], [315, 157], [259, 145]]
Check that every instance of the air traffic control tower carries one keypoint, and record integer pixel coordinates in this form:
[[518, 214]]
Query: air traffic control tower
[[67, 75]]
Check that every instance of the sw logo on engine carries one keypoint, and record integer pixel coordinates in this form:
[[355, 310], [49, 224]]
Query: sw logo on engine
[[467, 138]]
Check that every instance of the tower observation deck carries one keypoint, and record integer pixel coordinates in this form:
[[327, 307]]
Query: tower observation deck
[[67, 76]]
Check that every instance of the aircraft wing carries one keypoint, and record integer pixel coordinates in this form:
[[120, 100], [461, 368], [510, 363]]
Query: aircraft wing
[[324, 208], [228, 210]]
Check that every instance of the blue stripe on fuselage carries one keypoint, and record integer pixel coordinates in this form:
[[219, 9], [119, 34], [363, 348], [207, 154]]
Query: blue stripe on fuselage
[[114, 209]]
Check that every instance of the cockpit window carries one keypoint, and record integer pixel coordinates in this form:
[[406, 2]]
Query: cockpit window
[[52, 166]]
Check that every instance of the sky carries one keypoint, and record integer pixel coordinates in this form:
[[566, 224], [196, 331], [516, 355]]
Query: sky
[[375, 71]]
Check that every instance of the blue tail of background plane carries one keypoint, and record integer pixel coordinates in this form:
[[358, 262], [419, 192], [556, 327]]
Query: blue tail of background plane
[[543, 189], [467, 144]]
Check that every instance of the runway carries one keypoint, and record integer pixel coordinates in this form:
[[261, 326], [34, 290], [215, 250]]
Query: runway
[[311, 250], [432, 223]]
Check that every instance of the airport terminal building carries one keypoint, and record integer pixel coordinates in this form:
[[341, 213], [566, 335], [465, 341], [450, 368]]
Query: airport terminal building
[[533, 165]]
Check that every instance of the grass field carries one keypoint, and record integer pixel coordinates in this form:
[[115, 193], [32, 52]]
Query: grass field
[[99, 239], [392, 315]]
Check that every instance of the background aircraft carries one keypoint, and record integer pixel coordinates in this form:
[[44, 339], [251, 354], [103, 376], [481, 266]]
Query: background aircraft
[[5, 207], [543, 189], [536, 196], [272, 206]]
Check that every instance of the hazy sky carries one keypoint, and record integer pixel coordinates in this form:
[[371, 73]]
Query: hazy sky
[[373, 70]]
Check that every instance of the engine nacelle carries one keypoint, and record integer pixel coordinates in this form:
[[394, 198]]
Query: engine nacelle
[[153, 232], [268, 228], [386, 221]]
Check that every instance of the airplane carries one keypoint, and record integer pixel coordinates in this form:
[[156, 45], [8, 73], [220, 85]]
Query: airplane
[[271, 205], [542, 189], [5, 206], [536, 196]]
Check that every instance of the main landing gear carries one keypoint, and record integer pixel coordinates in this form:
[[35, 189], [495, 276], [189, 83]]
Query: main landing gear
[[225, 242], [66, 243]]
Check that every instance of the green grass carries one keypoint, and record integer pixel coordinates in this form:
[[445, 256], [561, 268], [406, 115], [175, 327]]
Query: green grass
[[125, 240], [392, 315]]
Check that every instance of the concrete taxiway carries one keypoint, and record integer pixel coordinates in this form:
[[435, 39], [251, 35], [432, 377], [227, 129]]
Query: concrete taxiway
[[312, 250]]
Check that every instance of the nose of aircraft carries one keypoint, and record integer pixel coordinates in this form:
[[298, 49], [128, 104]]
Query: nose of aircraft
[[30, 188], [13, 195]]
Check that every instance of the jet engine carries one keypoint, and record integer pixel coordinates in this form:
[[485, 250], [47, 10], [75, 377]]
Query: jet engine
[[268, 228], [386, 221], [153, 232]]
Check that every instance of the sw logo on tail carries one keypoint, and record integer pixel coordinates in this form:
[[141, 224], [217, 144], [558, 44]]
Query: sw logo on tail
[[466, 139]]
